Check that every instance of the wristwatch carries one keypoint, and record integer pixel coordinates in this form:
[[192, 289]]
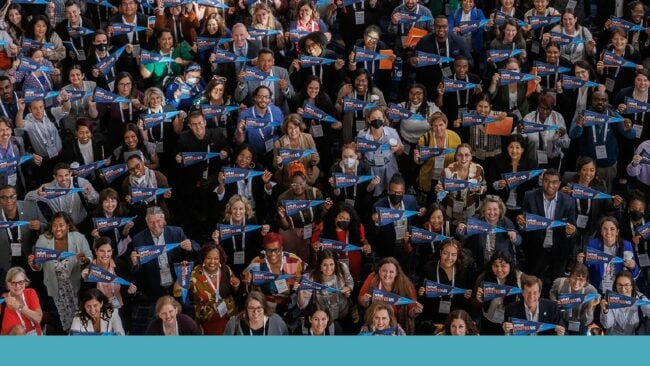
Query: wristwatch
[[21, 307]]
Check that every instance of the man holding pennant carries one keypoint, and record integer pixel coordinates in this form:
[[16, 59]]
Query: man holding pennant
[[406, 16], [600, 140], [533, 309], [548, 251], [155, 251], [457, 93], [260, 140], [391, 217]]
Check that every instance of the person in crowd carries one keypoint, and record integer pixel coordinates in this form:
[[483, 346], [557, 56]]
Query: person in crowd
[[256, 319], [170, 321], [578, 317], [22, 307], [96, 315], [625, 320], [380, 318]]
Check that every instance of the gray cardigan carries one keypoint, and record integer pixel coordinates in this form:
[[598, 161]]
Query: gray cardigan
[[76, 243], [275, 326]]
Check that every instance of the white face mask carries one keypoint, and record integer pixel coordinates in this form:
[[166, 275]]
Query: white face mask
[[350, 162], [192, 81]]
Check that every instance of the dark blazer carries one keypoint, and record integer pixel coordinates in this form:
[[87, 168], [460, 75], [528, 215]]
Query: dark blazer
[[503, 164], [186, 326], [476, 243], [548, 313], [62, 30], [232, 70], [385, 235], [262, 200], [121, 40], [72, 153], [331, 77], [19, 150], [148, 274], [27, 211], [432, 75], [565, 211]]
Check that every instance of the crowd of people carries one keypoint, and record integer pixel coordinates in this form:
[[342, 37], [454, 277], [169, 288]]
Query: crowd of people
[[341, 167]]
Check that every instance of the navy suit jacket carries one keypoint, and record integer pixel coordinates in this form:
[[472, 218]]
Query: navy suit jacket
[[148, 274], [548, 313], [565, 211], [385, 235]]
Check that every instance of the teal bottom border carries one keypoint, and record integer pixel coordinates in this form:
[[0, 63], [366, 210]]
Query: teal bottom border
[[333, 351]]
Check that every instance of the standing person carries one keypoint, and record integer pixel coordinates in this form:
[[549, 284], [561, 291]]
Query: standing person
[[390, 239], [22, 308], [198, 179], [215, 288], [533, 308], [389, 277], [600, 142], [547, 252], [17, 242], [62, 278]]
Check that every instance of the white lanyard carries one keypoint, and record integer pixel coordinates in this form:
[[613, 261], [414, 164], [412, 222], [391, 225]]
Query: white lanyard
[[47, 137], [9, 234], [212, 285], [41, 84], [243, 238], [2, 105], [311, 214], [165, 328], [169, 64], [435, 143], [446, 47], [20, 316], [263, 327], [458, 93], [261, 130], [81, 38], [281, 264], [320, 72], [580, 208], [635, 114], [370, 65], [453, 274], [593, 130], [161, 125], [122, 112], [134, 34], [417, 12]]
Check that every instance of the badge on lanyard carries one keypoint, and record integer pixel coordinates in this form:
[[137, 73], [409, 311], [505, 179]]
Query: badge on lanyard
[[609, 84], [542, 156], [239, 257], [574, 326], [281, 286], [359, 17], [601, 152], [307, 231], [445, 307], [16, 250], [268, 144], [360, 124], [316, 131], [222, 309], [581, 221]]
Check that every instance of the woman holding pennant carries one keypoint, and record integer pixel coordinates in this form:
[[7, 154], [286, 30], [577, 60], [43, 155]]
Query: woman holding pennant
[[608, 254], [576, 298], [635, 230], [296, 141], [462, 204], [381, 320], [240, 179], [342, 224], [484, 245], [118, 293], [589, 210], [80, 91], [510, 95], [575, 41], [455, 268], [41, 30], [315, 59], [326, 132], [485, 147], [389, 277], [215, 289], [113, 116], [625, 320], [328, 285], [633, 102], [514, 160], [238, 234], [215, 104], [370, 43], [61, 273], [501, 271], [347, 176], [276, 273], [22, 308], [432, 167], [160, 73], [110, 207], [615, 76], [383, 158], [32, 71], [264, 19], [135, 143], [297, 226], [184, 88]]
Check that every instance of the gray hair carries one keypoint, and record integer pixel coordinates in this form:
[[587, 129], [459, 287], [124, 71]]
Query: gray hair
[[155, 210]]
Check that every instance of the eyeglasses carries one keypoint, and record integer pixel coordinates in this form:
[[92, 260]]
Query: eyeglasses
[[263, 97], [294, 185], [273, 250], [12, 197], [124, 84], [257, 309], [17, 283], [371, 38], [626, 286]]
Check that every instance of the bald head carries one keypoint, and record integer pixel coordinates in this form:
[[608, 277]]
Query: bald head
[[239, 34]]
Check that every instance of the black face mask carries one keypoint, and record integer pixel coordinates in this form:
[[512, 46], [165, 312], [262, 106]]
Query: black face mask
[[343, 225], [636, 215], [102, 47], [395, 198], [376, 123]]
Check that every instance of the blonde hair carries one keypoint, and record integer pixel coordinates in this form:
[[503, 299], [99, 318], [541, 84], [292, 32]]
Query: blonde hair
[[237, 198], [295, 119], [149, 92], [267, 8], [377, 306], [167, 300], [493, 199]]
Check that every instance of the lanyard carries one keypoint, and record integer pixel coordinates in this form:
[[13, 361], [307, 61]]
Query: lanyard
[[633, 230], [635, 114], [281, 265], [403, 25], [15, 102], [446, 47], [122, 112], [540, 136], [243, 238], [453, 274], [161, 125], [458, 94], [20, 316], [359, 114], [134, 35], [593, 130], [263, 327], [46, 137], [81, 38], [354, 188], [49, 86], [212, 285], [588, 207], [261, 130], [435, 143], [9, 233]]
